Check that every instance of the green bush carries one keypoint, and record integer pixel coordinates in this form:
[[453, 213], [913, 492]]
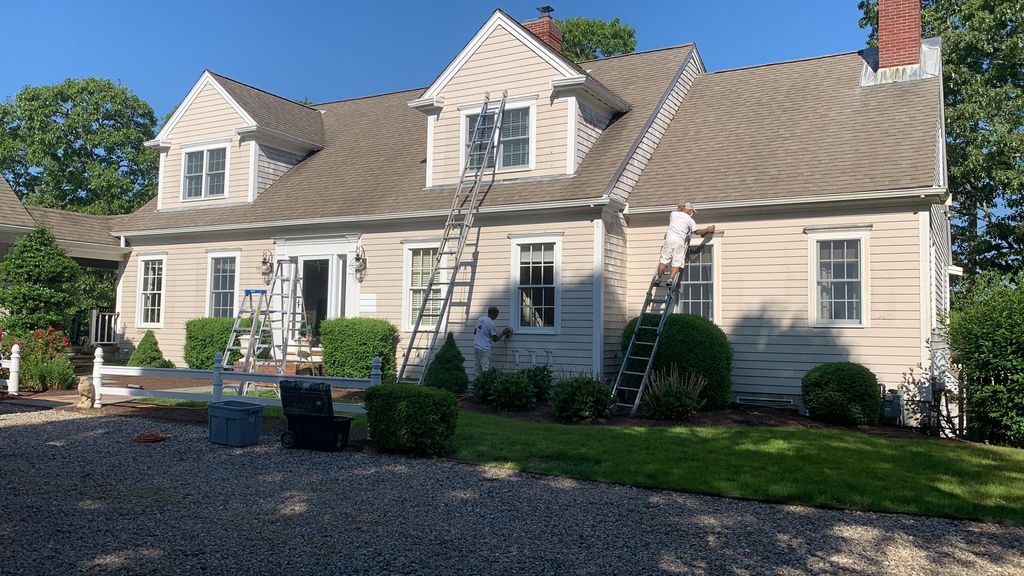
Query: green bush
[[696, 346], [483, 386], [513, 392], [539, 378], [672, 396], [986, 336], [39, 284], [581, 398], [44, 361], [842, 393], [410, 419], [350, 344], [148, 355], [447, 370], [204, 337]]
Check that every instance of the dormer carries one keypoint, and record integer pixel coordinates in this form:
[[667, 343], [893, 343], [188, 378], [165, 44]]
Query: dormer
[[549, 97], [227, 142]]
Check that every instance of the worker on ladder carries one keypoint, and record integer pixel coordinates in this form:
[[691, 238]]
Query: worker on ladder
[[681, 227]]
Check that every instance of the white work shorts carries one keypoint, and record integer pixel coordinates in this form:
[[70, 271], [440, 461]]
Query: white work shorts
[[674, 253], [483, 360]]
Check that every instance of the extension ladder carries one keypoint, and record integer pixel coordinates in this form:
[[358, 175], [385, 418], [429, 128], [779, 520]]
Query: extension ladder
[[420, 347], [274, 318], [643, 346]]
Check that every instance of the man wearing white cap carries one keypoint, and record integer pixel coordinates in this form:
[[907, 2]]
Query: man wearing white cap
[[681, 226]]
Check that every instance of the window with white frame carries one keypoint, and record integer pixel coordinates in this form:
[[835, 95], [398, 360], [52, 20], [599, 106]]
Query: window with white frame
[[205, 173], [697, 289], [514, 148], [839, 293], [222, 286], [151, 291], [420, 262], [536, 306]]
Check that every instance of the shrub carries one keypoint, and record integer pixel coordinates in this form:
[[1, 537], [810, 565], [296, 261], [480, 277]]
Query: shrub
[[447, 370], [44, 361], [581, 398], [38, 283], [986, 335], [696, 346], [512, 391], [411, 419], [148, 355], [204, 337], [672, 396], [484, 384], [539, 378], [842, 393], [350, 344]]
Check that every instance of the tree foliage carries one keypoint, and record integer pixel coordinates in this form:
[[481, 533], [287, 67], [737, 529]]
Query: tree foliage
[[78, 146], [983, 82], [148, 354], [39, 284], [448, 371], [590, 38]]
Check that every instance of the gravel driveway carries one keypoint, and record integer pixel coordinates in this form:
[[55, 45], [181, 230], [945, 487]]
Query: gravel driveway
[[80, 496]]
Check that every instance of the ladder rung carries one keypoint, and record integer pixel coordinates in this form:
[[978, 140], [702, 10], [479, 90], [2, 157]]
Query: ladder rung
[[627, 389], [639, 357], [649, 327], [634, 373]]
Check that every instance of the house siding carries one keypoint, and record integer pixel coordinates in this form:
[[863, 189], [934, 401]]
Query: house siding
[[590, 122], [616, 265], [941, 255], [502, 62], [209, 118], [764, 270], [273, 163]]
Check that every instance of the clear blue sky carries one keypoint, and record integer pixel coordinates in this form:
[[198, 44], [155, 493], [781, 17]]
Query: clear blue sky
[[325, 50]]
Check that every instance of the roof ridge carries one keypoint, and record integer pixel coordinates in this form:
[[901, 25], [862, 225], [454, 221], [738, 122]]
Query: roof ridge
[[31, 208], [218, 75], [791, 61], [652, 50]]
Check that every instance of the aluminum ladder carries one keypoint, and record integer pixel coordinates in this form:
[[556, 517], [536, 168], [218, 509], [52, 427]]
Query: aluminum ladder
[[420, 347], [643, 346]]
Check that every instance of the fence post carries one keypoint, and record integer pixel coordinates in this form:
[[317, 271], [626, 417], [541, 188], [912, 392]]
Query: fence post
[[15, 369], [375, 371], [97, 377], [217, 380]]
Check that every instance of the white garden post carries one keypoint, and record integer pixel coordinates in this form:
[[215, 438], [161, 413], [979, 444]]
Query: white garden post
[[97, 376], [12, 381], [217, 379], [375, 371]]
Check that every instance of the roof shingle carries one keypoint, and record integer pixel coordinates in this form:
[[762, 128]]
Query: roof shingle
[[12, 210], [275, 112]]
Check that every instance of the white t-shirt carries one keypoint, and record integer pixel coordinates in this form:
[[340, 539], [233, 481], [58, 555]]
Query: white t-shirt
[[485, 332], [680, 227]]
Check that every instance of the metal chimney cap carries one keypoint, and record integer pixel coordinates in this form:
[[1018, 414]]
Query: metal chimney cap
[[545, 10]]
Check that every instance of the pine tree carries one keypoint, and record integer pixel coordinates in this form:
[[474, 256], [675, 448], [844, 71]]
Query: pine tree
[[148, 355], [448, 369]]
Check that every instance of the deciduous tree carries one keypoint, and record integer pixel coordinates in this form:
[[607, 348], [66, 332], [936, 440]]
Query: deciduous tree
[[590, 38]]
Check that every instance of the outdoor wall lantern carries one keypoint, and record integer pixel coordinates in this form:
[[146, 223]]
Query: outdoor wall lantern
[[267, 267], [359, 263]]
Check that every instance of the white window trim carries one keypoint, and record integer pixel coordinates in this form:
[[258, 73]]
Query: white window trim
[[716, 271], [204, 147], [210, 255], [466, 111], [852, 233], [514, 312], [163, 292], [408, 316]]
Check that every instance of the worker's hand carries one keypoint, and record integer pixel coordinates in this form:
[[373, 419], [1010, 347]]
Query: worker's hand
[[711, 229]]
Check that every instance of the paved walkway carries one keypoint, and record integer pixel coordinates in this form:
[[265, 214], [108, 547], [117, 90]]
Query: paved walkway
[[80, 496]]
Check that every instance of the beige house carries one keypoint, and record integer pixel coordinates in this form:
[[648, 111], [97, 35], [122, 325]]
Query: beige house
[[826, 179]]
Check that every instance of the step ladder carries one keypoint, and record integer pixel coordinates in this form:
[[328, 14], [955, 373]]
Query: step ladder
[[635, 371], [275, 320], [420, 347]]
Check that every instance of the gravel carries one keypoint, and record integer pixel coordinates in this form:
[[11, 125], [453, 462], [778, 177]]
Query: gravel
[[81, 497]]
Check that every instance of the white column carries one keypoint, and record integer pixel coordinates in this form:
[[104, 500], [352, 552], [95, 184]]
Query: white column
[[97, 376], [15, 369]]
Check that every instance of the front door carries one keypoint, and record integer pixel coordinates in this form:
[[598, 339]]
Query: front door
[[316, 283]]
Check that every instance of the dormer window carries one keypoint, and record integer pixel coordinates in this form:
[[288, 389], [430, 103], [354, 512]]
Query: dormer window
[[205, 172], [515, 152]]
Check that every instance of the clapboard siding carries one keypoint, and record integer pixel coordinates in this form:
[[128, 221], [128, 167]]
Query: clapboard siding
[[273, 163], [590, 122], [615, 285], [764, 264]]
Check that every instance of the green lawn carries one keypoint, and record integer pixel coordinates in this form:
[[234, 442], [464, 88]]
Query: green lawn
[[830, 468]]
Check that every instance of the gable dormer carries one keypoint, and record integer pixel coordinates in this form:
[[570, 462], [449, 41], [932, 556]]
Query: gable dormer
[[540, 128], [227, 142]]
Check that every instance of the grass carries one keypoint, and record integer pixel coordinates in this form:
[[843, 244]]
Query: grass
[[817, 467]]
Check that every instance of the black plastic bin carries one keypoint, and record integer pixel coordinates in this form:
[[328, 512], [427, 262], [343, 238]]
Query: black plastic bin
[[311, 420]]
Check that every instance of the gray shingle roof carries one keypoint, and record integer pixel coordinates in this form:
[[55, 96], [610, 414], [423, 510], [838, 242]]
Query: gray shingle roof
[[75, 226], [794, 129], [374, 160], [12, 212], [275, 112]]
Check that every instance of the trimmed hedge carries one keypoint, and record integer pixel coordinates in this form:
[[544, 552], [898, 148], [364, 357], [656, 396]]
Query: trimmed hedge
[[484, 384], [204, 337], [148, 354], [842, 393], [447, 370], [513, 392], [697, 346], [411, 419], [581, 398], [350, 344]]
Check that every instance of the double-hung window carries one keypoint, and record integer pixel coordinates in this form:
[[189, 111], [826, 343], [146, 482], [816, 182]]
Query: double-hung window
[[514, 150], [697, 289], [223, 270], [151, 291], [838, 276], [205, 173], [420, 262], [536, 292]]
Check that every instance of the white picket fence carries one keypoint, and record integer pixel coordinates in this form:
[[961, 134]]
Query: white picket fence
[[217, 377], [13, 365]]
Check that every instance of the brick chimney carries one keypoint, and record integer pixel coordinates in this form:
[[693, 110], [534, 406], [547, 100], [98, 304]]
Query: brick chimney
[[899, 33], [545, 28]]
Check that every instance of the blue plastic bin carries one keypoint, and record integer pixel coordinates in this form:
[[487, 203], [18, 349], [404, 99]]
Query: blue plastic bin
[[234, 423]]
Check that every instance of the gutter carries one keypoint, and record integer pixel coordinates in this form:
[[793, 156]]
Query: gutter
[[15, 229], [938, 192], [594, 88], [255, 130], [582, 203]]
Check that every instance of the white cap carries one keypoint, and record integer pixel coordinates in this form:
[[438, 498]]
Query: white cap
[[689, 205]]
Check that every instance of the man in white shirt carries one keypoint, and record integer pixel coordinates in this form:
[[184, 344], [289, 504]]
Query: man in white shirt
[[681, 227], [486, 334]]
